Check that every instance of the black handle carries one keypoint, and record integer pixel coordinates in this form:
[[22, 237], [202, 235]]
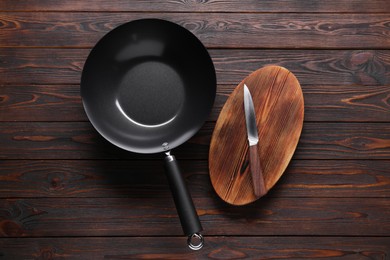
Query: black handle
[[185, 207]]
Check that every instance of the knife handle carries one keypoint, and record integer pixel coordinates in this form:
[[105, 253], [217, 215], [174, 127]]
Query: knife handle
[[256, 171]]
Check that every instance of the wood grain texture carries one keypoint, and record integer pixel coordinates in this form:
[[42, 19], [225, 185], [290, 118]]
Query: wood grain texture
[[338, 103], [221, 30], [256, 170], [61, 184], [41, 103], [279, 109], [78, 140], [119, 178], [270, 247], [134, 216], [314, 6], [355, 103], [311, 67]]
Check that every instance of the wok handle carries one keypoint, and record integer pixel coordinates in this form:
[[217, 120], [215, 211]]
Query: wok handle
[[185, 207]]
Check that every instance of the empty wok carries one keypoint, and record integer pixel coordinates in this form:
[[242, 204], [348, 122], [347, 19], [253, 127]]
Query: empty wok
[[147, 87]]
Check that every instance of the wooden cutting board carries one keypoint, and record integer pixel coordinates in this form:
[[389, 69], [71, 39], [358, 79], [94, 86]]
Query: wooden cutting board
[[279, 108]]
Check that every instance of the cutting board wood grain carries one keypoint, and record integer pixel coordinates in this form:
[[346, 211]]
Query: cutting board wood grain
[[279, 108]]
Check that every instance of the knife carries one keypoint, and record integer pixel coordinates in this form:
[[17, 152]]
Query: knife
[[253, 138]]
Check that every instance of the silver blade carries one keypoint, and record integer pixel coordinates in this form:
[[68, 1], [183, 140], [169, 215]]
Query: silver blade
[[250, 118]]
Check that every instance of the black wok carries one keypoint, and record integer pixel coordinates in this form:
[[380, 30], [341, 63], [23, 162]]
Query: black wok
[[147, 87]]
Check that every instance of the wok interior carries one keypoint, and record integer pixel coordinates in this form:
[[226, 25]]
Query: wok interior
[[147, 83]]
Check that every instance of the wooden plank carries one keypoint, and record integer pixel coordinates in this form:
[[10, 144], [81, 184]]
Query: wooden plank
[[221, 30], [41, 103], [337, 103], [341, 103], [313, 6], [42, 66], [145, 179], [312, 67], [78, 140], [355, 103], [335, 178], [340, 140], [354, 248], [133, 216]]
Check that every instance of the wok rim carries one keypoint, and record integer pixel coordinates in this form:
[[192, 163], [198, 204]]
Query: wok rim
[[195, 129]]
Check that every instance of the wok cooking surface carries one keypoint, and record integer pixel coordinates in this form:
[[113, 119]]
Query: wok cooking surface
[[150, 94]]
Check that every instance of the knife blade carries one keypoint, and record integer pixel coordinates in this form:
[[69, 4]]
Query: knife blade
[[259, 188], [250, 118]]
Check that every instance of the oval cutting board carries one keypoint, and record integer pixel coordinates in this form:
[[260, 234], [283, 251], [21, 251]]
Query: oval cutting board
[[279, 108]]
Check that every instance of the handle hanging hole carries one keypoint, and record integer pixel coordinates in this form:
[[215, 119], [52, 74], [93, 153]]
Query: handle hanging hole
[[195, 241]]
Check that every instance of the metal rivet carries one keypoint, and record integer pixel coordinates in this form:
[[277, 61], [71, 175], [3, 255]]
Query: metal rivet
[[165, 146]]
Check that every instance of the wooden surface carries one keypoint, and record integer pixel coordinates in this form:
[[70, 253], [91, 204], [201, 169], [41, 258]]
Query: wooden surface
[[279, 109], [65, 193]]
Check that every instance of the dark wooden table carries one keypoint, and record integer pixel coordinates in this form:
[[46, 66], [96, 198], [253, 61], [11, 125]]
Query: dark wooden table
[[67, 193]]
